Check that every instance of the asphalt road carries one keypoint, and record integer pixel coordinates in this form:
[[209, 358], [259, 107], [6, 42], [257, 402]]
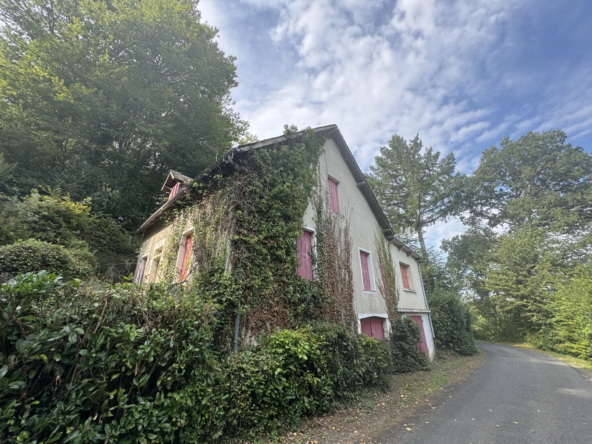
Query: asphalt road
[[518, 396]]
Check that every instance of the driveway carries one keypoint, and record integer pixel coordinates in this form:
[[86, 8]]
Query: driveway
[[518, 396]]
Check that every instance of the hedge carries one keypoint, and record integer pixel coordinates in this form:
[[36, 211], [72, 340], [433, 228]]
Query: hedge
[[98, 363]]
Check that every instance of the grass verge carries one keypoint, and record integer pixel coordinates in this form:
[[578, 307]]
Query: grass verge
[[576, 362]]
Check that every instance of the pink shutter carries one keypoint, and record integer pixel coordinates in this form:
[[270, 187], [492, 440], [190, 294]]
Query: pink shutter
[[405, 277], [423, 345], [304, 255], [365, 270], [141, 268], [377, 328], [174, 190], [333, 196], [367, 327], [186, 258]]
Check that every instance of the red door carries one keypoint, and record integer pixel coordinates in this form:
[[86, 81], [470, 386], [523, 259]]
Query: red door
[[304, 245], [423, 345], [373, 327]]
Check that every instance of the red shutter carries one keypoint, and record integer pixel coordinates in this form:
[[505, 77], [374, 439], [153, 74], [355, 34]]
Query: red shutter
[[367, 327], [377, 328], [305, 255], [186, 257], [174, 190], [423, 345], [405, 277], [333, 196], [365, 270], [141, 268]]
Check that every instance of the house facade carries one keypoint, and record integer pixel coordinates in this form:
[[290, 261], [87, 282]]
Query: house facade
[[351, 201]]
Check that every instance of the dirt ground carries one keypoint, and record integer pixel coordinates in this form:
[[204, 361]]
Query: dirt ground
[[380, 411]]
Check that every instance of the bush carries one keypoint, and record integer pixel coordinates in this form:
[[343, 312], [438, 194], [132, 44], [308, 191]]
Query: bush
[[405, 354], [452, 323], [98, 363], [56, 219], [34, 256]]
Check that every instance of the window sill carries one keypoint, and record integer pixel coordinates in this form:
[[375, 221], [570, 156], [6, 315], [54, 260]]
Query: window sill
[[409, 290], [370, 291]]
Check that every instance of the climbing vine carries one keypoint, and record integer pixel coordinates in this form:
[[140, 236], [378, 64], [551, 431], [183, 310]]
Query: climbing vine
[[387, 284]]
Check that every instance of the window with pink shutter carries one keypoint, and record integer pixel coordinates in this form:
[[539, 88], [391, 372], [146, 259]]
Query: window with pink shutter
[[186, 257], [141, 269], [333, 196], [305, 255], [405, 277], [174, 190], [373, 327], [364, 261]]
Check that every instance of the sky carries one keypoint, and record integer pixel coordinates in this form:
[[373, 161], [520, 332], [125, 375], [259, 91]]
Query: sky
[[462, 74]]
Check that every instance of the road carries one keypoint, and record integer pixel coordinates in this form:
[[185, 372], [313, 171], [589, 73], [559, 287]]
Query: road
[[518, 396]]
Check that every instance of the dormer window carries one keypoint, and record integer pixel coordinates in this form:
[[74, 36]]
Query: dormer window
[[174, 190]]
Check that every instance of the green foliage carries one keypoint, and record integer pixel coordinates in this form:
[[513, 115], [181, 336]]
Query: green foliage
[[415, 187], [405, 354], [569, 329], [451, 320], [5, 169], [102, 98], [93, 363], [57, 219], [33, 256]]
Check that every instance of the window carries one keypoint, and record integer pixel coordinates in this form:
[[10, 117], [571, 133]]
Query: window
[[305, 255], [373, 327], [155, 263], [367, 275], [185, 255], [406, 277], [333, 196], [174, 190], [141, 269]]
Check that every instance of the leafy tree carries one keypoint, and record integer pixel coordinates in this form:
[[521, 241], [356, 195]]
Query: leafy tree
[[5, 169], [538, 179], [416, 187], [101, 98]]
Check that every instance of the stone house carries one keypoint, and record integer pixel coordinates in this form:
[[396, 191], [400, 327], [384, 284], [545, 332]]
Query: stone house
[[351, 203]]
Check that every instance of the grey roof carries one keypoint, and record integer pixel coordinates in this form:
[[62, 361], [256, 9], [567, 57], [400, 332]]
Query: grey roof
[[172, 178], [332, 131]]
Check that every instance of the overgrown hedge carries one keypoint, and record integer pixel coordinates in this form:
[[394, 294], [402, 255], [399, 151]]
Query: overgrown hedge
[[452, 323], [97, 363]]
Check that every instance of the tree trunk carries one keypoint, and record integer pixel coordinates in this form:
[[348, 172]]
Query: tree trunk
[[424, 250]]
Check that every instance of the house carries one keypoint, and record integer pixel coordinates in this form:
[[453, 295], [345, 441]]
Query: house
[[350, 203]]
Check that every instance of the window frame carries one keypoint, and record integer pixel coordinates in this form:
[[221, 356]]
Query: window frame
[[139, 279], [181, 255], [409, 277], [313, 239], [371, 275], [336, 182]]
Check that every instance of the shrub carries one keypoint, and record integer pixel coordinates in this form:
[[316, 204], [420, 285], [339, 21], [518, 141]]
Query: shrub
[[405, 354], [452, 323], [33, 256]]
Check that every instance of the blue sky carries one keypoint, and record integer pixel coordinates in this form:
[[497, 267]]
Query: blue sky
[[462, 74]]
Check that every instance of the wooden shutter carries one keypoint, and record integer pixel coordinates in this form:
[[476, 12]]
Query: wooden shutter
[[365, 270], [174, 190], [377, 328], [305, 255], [423, 345], [367, 327], [405, 277], [186, 257], [333, 196], [141, 268]]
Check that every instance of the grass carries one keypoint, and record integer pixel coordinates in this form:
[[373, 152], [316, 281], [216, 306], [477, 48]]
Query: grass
[[576, 362]]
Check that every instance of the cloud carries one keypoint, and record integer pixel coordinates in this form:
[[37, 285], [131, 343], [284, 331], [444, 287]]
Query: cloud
[[460, 73]]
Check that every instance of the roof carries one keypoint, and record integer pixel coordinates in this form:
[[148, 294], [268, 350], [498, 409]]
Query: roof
[[172, 179], [332, 131]]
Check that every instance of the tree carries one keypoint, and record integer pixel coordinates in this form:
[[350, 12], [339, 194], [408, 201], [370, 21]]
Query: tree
[[5, 169], [538, 179], [416, 189], [101, 98]]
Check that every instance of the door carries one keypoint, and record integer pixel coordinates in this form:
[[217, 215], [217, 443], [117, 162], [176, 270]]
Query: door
[[423, 345], [373, 327]]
